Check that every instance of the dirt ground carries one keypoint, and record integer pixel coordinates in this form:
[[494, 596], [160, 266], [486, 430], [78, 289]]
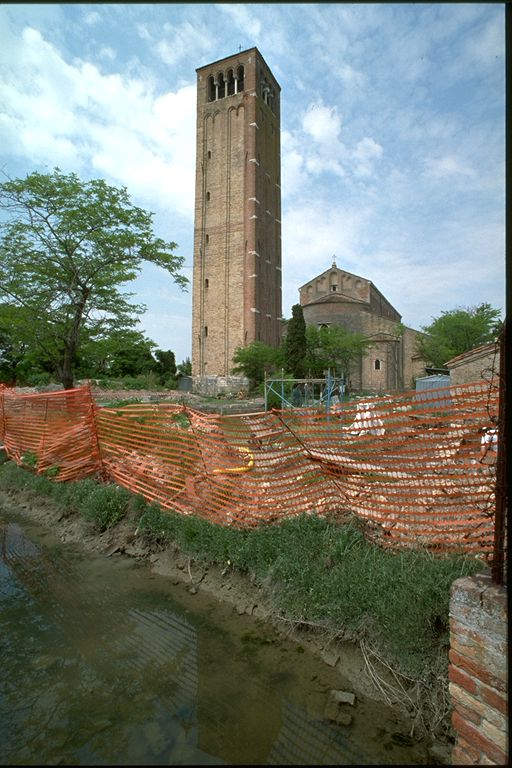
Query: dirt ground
[[234, 404]]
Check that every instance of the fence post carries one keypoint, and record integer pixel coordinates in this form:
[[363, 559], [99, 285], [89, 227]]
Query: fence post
[[2, 415], [498, 559], [93, 410]]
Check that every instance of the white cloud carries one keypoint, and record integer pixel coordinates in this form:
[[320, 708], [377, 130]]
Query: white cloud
[[449, 165], [316, 229], [143, 32], [322, 123], [180, 40], [107, 53], [91, 18], [73, 116], [244, 18], [365, 152]]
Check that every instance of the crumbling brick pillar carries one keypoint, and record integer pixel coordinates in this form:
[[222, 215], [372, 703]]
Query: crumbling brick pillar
[[478, 671]]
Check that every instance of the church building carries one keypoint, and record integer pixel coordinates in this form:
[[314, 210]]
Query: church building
[[337, 297]]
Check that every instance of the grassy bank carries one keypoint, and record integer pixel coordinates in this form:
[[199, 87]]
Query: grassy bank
[[320, 575]]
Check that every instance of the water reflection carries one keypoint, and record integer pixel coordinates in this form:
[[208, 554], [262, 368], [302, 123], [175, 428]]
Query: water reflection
[[102, 665]]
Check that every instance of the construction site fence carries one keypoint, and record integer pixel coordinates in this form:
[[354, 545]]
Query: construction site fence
[[407, 464]]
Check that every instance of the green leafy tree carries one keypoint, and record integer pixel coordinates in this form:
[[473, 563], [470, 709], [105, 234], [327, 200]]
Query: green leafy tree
[[132, 359], [255, 359], [121, 352], [21, 361], [66, 249], [185, 367], [12, 350], [294, 344], [335, 348], [165, 366], [457, 331]]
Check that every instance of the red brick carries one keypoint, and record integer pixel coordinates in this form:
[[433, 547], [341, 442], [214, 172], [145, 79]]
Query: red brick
[[467, 713], [484, 657], [461, 757], [459, 677], [477, 740], [475, 670], [492, 638], [493, 698], [472, 754]]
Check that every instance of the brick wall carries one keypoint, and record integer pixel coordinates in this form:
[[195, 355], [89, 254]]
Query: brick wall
[[478, 671], [474, 365], [236, 290]]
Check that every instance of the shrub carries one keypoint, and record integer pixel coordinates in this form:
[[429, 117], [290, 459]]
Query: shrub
[[39, 379], [158, 526], [106, 505], [142, 381], [29, 460]]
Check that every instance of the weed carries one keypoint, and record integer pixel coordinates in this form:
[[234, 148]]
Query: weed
[[29, 460], [120, 402], [106, 505], [158, 526], [181, 419], [52, 472]]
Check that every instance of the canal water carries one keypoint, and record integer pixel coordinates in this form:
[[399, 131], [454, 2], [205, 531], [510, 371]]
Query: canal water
[[105, 663]]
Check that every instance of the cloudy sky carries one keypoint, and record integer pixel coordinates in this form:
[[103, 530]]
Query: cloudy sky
[[392, 118]]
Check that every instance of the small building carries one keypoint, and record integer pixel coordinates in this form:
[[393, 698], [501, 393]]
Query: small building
[[479, 363], [337, 297], [427, 388]]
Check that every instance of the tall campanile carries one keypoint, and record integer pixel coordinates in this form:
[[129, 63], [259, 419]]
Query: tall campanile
[[237, 231]]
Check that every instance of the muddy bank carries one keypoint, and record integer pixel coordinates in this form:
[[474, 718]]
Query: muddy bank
[[223, 584]]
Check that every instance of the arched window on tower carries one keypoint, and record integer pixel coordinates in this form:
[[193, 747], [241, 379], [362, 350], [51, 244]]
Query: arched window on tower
[[240, 75], [231, 82], [222, 85], [211, 88], [377, 365]]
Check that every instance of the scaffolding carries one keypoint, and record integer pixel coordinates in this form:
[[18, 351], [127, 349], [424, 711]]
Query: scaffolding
[[305, 393]]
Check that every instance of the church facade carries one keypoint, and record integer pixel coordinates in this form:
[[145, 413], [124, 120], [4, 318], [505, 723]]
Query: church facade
[[337, 297]]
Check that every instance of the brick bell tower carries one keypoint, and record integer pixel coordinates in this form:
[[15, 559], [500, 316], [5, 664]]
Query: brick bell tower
[[236, 295]]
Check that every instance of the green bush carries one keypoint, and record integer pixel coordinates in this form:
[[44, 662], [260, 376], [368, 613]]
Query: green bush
[[142, 381], [29, 460], [39, 379], [159, 526], [106, 505]]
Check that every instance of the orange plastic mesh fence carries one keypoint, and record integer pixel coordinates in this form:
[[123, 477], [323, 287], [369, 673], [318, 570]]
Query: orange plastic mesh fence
[[407, 464], [228, 469], [51, 431]]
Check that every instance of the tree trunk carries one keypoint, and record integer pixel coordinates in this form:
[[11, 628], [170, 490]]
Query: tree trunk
[[66, 372]]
